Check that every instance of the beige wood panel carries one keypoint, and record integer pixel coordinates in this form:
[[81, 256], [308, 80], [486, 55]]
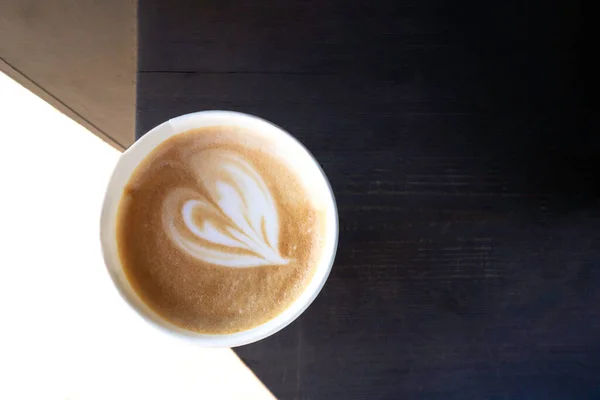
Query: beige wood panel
[[79, 55]]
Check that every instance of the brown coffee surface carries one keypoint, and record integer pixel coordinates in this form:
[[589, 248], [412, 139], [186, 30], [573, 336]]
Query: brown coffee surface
[[182, 268]]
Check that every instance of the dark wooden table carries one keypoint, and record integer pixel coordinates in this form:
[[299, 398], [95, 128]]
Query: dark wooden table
[[458, 139]]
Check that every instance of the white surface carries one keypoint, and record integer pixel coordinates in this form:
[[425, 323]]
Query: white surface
[[64, 331]]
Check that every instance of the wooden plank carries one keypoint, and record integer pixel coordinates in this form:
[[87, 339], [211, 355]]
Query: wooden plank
[[78, 55], [298, 37]]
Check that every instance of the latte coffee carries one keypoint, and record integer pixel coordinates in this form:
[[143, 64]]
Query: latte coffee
[[217, 232]]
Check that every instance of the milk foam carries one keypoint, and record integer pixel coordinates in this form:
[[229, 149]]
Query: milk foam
[[230, 219]]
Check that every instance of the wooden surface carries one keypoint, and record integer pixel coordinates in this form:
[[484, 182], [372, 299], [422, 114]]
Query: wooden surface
[[457, 137], [78, 55]]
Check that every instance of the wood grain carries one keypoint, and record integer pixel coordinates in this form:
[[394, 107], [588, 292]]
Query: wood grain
[[79, 55], [457, 139]]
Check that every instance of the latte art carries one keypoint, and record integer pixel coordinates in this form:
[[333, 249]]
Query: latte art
[[217, 231], [232, 220]]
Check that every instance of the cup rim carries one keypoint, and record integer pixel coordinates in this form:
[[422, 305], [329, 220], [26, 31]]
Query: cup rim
[[132, 299]]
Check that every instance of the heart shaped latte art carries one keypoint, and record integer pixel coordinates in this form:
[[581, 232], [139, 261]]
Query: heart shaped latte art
[[231, 219]]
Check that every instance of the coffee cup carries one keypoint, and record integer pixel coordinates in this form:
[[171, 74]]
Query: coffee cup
[[229, 156]]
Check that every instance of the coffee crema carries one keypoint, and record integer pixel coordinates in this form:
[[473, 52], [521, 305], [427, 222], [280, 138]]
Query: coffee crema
[[216, 233]]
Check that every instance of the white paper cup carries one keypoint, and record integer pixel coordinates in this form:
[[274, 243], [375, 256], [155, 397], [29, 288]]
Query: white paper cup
[[300, 159]]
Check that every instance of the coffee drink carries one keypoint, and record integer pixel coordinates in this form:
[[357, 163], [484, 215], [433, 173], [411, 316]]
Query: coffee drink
[[217, 232]]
